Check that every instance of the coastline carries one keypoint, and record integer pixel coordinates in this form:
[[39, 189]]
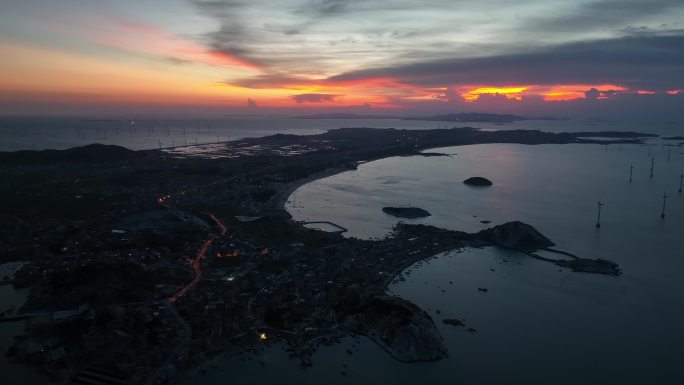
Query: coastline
[[283, 195], [280, 255]]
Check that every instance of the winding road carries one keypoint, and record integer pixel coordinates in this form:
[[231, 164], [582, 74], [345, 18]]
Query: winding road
[[196, 262]]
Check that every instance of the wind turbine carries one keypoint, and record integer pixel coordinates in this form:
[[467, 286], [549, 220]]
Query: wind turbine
[[598, 220], [652, 162]]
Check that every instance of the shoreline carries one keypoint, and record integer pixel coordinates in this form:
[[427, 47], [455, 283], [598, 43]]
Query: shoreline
[[283, 195]]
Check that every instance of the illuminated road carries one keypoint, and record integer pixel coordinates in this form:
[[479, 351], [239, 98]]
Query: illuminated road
[[196, 262]]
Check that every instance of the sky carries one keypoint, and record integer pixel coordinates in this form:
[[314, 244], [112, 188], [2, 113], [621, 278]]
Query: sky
[[551, 57]]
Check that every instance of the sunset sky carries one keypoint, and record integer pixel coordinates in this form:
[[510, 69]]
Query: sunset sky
[[394, 56]]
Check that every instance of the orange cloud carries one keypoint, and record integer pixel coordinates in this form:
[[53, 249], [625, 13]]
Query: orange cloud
[[577, 91], [380, 92], [510, 92], [550, 93]]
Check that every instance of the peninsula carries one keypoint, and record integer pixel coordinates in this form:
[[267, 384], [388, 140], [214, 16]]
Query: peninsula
[[146, 263]]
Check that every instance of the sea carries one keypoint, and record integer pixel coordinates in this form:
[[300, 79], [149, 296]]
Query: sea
[[138, 133], [536, 323]]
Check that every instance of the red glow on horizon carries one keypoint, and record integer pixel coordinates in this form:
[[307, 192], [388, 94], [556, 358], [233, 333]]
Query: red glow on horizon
[[560, 93], [514, 93], [549, 93]]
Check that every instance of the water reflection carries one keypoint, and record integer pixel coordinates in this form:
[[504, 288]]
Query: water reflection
[[10, 298]]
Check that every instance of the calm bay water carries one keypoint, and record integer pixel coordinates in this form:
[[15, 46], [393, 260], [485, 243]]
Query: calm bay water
[[148, 133], [536, 324]]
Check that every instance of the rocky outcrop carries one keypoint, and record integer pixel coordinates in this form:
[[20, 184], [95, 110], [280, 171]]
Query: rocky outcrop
[[401, 328], [596, 266], [525, 238], [515, 235], [453, 321], [478, 181], [406, 212]]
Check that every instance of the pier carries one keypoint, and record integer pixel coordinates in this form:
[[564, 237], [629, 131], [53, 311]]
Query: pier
[[341, 229]]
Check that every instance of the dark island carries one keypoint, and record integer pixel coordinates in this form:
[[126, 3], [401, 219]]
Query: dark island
[[406, 212], [453, 321], [478, 117], [345, 116], [478, 181], [460, 117], [143, 264]]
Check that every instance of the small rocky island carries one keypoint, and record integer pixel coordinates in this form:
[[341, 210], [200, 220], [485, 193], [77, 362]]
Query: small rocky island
[[478, 181], [406, 212], [522, 237], [515, 235]]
